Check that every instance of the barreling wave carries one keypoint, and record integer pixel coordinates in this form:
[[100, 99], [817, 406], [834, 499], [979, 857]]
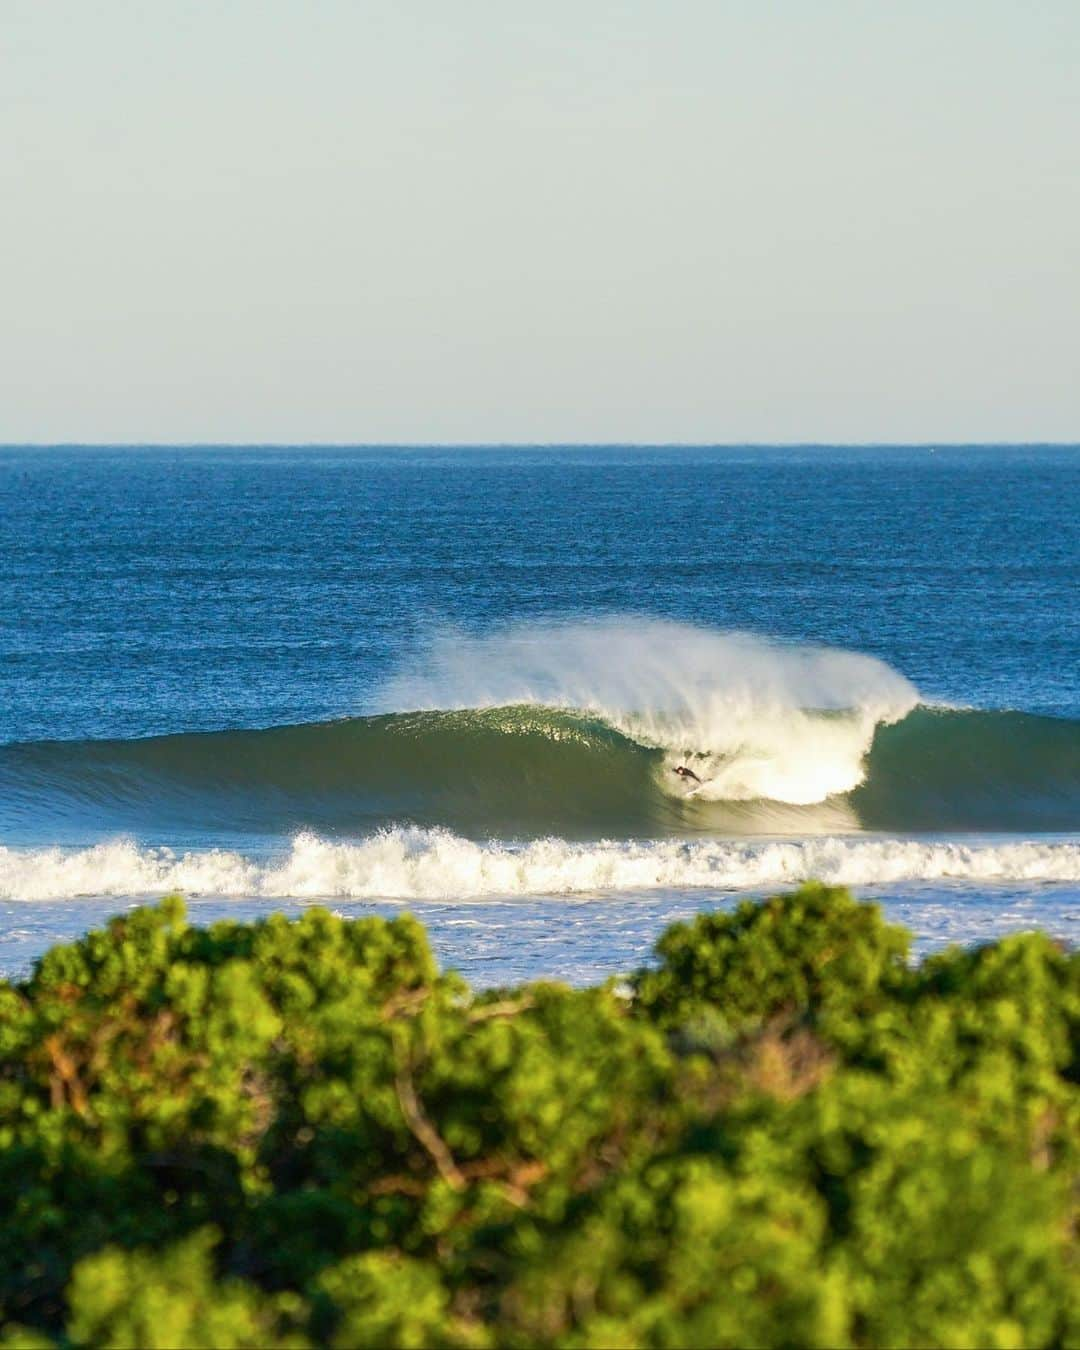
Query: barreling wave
[[531, 772], [575, 730], [413, 864]]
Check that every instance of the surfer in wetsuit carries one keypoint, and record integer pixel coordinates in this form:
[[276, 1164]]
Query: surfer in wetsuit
[[684, 773]]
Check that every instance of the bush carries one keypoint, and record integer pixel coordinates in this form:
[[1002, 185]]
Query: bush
[[301, 1133]]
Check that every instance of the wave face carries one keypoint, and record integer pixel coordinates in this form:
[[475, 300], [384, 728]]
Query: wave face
[[575, 730], [412, 864]]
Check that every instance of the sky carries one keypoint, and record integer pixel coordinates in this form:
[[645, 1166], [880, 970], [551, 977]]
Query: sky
[[578, 221]]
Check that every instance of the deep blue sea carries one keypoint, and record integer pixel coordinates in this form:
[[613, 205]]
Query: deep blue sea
[[462, 680]]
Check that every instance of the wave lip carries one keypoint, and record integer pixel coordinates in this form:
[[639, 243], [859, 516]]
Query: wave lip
[[416, 864], [757, 719]]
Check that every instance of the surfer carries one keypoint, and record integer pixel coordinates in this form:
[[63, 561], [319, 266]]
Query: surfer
[[684, 772]]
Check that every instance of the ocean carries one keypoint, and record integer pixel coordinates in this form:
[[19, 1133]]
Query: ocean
[[460, 681]]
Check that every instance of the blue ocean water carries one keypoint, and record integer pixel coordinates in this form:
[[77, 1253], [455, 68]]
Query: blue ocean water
[[461, 679]]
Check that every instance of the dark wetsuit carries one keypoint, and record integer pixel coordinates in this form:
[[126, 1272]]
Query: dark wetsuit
[[684, 772]]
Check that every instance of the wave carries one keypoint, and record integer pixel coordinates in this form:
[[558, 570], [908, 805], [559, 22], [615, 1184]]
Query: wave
[[526, 771], [576, 730], [413, 864]]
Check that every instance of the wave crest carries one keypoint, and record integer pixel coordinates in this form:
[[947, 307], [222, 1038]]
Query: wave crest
[[756, 720]]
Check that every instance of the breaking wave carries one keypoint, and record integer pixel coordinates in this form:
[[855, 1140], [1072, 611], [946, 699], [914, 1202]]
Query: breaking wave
[[756, 720], [576, 730], [413, 864]]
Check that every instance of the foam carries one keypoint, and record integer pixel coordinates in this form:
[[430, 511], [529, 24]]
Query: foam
[[415, 864], [755, 719]]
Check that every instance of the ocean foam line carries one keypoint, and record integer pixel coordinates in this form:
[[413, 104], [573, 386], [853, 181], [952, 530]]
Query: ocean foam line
[[415, 864]]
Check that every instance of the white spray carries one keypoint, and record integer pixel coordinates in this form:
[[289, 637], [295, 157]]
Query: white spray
[[755, 719]]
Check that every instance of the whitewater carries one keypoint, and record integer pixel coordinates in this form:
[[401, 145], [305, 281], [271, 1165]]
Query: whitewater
[[410, 864], [755, 719]]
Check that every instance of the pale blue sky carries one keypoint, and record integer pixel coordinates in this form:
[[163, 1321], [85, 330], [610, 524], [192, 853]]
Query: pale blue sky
[[482, 220]]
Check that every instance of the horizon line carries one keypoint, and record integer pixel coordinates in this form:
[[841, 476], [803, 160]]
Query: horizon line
[[538, 445]]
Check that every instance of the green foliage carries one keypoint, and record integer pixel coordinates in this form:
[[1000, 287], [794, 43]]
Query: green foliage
[[383, 1298], [683, 1253], [301, 1133], [816, 951], [136, 1299]]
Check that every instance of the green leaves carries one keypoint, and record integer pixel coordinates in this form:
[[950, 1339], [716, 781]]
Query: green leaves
[[301, 1132], [159, 1301], [816, 952]]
